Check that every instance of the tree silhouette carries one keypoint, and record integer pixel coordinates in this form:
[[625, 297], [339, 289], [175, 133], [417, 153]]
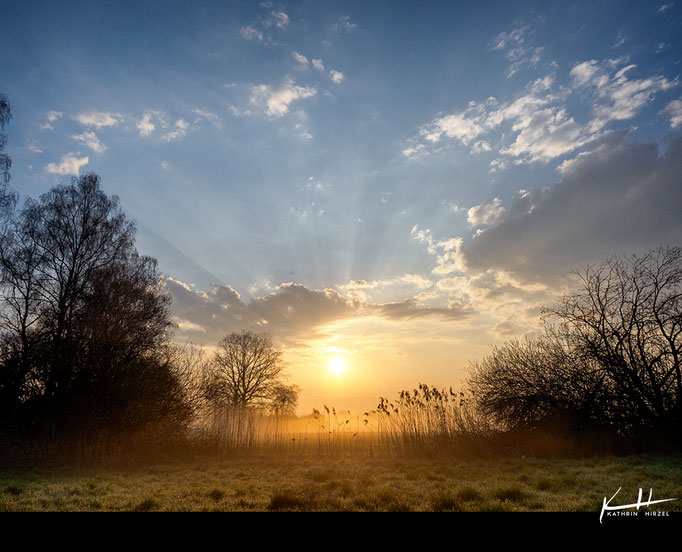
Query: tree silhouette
[[5, 160], [248, 372], [609, 355], [85, 323]]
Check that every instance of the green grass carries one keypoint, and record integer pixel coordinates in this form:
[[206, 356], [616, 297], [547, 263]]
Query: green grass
[[319, 484]]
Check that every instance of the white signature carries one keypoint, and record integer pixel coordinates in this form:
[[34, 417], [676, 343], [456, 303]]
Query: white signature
[[637, 504]]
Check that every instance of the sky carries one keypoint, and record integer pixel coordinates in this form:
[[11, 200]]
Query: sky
[[398, 185]]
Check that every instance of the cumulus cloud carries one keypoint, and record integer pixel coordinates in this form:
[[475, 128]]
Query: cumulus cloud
[[90, 140], [292, 311], [489, 213], [98, 119], [620, 197], [69, 165], [318, 65], [276, 99], [145, 125], [336, 76]]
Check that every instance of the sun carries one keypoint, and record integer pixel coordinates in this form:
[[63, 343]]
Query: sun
[[337, 366]]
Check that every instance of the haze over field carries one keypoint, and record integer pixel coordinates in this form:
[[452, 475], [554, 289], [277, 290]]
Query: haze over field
[[386, 188]]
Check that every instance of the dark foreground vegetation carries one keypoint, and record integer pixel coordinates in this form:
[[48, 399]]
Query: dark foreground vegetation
[[90, 374]]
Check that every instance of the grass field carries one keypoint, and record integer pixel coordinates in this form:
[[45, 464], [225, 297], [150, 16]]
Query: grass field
[[319, 484]]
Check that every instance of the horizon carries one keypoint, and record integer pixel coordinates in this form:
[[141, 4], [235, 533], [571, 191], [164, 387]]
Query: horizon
[[387, 190]]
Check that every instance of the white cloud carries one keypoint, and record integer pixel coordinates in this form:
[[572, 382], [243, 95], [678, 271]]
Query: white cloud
[[250, 33], [278, 99], [617, 97], [179, 131], [300, 58], [674, 110], [480, 147], [281, 19], [145, 125], [69, 164], [206, 116], [336, 76], [489, 213], [318, 65], [98, 119], [537, 124], [52, 116], [33, 147], [664, 8], [90, 139]]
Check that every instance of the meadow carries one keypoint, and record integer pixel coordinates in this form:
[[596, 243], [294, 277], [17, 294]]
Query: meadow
[[323, 482]]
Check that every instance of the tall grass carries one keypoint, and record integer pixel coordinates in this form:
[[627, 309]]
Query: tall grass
[[425, 421]]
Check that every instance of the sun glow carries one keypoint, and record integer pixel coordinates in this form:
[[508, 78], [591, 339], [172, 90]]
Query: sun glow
[[337, 366]]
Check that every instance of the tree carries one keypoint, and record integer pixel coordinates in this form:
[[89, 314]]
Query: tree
[[7, 198], [5, 160], [85, 323], [248, 372], [609, 354]]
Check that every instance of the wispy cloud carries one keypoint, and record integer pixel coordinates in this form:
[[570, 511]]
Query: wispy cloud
[[674, 111], [98, 119]]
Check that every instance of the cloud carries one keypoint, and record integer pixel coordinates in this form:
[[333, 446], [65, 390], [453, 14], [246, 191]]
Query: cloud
[[674, 111], [179, 130], [336, 76], [281, 19], [664, 8], [292, 311], [52, 116], [486, 213], [318, 65], [537, 126], [512, 43], [207, 117], [617, 97], [98, 119], [277, 99], [620, 197], [33, 147], [250, 33], [69, 164], [145, 125], [90, 140], [300, 58], [344, 24]]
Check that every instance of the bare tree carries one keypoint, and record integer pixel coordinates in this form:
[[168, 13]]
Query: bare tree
[[248, 372], [609, 354], [5, 160]]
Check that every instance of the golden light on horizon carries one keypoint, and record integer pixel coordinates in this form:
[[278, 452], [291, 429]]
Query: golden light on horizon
[[337, 366]]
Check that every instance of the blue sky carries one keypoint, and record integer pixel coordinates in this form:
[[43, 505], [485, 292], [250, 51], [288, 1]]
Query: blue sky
[[335, 167]]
